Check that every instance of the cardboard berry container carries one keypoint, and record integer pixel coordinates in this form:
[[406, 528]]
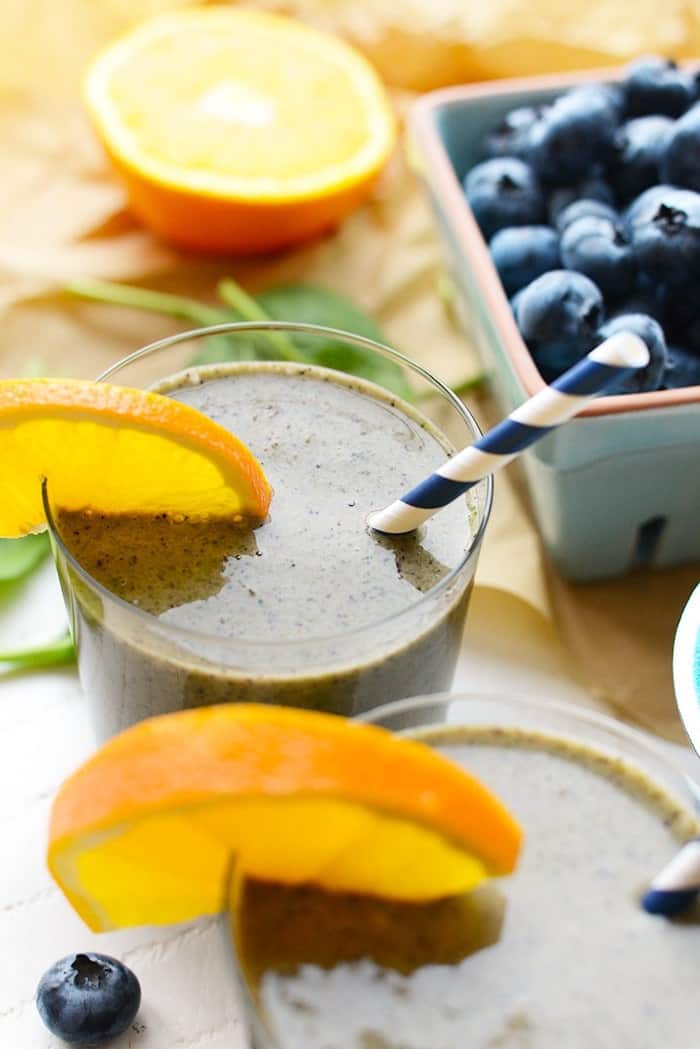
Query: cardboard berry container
[[620, 485]]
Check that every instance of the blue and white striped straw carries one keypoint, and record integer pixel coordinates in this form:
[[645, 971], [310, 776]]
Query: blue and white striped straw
[[549, 408], [677, 886]]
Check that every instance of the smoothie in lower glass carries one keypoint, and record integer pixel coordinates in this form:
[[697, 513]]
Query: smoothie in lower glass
[[558, 956], [311, 608]]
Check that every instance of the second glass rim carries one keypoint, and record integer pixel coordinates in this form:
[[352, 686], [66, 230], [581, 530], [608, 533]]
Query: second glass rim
[[630, 736], [174, 631]]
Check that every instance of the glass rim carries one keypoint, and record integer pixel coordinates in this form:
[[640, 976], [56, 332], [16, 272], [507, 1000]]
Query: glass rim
[[176, 632], [580, 717]]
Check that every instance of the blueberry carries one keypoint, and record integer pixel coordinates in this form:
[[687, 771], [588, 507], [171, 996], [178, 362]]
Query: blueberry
[[559, 315], [651, 332], [585, 208], [642, 300], [510, 136], [504, 192], [681, 161], [682, 369], [666, 236], [644, 207], [87, 999], [521, 253], [600, 249], [610, 97], [593, 188], [640, 145], [656, 85], [514, 302], [691, 335], [679, 312], [574, 135]]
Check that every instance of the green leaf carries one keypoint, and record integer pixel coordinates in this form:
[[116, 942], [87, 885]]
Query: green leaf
[[310, 304], [280, 345], [52, 653], [19, 556], [243, 347], [154, 301], [474, 382], [214, 349], [461, 388], [218, 348], [295, 303]]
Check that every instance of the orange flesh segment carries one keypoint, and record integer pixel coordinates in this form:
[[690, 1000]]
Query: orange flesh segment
[[240, 103], [114, 449]]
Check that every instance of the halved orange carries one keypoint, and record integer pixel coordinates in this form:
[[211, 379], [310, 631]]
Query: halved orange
[[238, 130], [118, 450], [146, 831]]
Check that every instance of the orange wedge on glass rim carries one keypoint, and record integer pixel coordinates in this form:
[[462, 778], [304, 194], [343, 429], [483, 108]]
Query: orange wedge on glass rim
[[239, 130], [147, 830], [113, 449]]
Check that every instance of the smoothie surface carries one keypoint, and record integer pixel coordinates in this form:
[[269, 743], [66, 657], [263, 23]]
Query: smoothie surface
[[558, 955], [333, 448]]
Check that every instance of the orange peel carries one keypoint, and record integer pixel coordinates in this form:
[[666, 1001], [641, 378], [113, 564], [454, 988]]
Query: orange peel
[[146, 831]]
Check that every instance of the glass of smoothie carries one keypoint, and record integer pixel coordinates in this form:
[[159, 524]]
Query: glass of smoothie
[[311, 608], [560, 954]]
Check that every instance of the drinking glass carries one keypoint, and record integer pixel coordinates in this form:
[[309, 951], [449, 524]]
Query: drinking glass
[[429, 718], [133, 664]]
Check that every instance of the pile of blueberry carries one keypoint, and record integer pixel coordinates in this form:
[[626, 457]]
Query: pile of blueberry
[[591, 207]]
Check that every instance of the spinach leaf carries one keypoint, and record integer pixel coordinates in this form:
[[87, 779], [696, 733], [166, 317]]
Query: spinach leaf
[[272, 345], [52, 653], [300, 303], [310, 304], [178, 306], [18, 557], [216, 348]]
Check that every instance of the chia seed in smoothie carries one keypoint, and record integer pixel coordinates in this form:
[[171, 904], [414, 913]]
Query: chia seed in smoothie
[[311, 608], [558, 956]]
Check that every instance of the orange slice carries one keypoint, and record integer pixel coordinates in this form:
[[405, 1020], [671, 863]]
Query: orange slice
[[146, 831], [118, 450], [238, 130]]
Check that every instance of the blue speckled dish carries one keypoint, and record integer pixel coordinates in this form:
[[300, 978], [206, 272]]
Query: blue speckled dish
[[686, 667], [620, 485]]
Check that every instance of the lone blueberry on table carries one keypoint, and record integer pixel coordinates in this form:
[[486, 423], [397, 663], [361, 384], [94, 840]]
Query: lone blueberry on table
[[88, 999]]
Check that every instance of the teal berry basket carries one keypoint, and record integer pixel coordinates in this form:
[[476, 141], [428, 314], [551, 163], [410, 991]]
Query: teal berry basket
[[619, 486]]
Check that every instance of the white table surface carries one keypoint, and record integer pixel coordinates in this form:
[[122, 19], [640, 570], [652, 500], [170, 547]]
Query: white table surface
[[189, 997]]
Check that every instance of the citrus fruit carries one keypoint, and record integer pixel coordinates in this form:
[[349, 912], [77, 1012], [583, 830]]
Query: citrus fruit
[[118, 450], [238, 130], [147, 830]]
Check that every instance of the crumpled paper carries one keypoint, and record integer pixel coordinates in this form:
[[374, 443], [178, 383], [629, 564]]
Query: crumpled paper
[[64, 215], [422, 44]]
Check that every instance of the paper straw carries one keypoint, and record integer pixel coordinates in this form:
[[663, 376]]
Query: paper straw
[[678, 884], [549, 408]]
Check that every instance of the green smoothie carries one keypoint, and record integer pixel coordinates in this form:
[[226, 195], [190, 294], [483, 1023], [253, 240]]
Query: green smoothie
[[311, 608], [559, 956]]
